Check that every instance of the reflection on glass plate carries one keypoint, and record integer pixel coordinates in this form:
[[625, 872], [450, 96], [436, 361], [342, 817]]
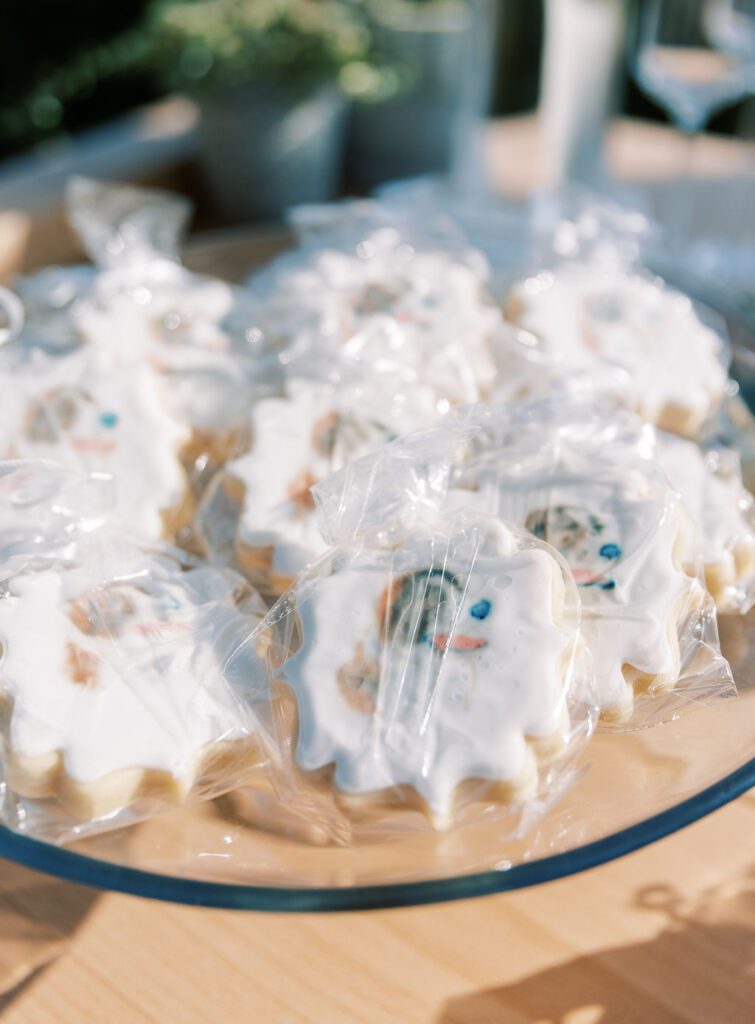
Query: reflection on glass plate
[[636, 787]]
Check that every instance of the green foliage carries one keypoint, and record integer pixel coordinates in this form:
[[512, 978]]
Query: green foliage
[[69, 66], [42, 110], [210, 43], [190, 45]]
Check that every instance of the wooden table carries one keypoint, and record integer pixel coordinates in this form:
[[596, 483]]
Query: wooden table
[[664, 936]]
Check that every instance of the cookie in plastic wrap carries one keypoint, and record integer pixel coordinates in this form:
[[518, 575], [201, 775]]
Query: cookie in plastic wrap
[[709, 481], [126, 676], [385, 300], [196, 332], [259, 513], [436, 675], [645, 339], [592, 489], [84, 410]]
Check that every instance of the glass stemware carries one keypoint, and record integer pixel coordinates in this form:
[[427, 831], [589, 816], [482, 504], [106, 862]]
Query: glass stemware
[[675, 64], [682, 57], [730, 26]]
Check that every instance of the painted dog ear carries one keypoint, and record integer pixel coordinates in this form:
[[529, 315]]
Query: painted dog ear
[[535, 523], [596, 524]]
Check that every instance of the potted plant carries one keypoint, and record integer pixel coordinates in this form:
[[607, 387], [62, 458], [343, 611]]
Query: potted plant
[[441, 54], [271, 78]]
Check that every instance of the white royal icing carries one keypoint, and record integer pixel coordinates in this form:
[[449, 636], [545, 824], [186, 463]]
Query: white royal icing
[[193, 330], [390, 305], [619, 531], [82, 410], [45, 511], [595, 313], [298, 440], [52, 299], [711, 487], [432, 665], [131, 670]]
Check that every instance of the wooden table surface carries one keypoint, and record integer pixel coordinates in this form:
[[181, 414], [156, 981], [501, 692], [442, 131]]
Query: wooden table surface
[[663, 936]]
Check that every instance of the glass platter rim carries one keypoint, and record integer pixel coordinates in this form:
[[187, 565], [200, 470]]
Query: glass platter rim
[[83, 869], [106, 875]]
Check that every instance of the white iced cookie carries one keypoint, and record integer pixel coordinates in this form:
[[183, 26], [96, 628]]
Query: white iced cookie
[[81, 410], [598, 315], [260, 513], [385, 303], [437, 674], [174, 320], [193, 331], [45, 512], [623, 536], [128, 697], [720, 508], [52, 299], [529, 369]]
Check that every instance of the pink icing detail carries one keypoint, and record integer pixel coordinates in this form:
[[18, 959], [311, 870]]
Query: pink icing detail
[[158, 627], [585, 575], [443, 642], [93, 444]]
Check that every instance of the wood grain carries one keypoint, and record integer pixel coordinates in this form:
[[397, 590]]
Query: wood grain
[[664, 936]]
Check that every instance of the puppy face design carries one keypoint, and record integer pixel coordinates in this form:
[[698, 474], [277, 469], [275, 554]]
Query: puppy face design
[[326, 438], [335, 438], [102, 612], [188, 322], [123, 611], [377, 299], [587, 541], [607, 307], [325, 434], [339, 437], [426, 607], [70, 414], [431, 610]]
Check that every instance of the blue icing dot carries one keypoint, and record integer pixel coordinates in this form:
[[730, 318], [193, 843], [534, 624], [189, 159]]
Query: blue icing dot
[[109, 419], [610, 551], [608, 585], [481, 610]]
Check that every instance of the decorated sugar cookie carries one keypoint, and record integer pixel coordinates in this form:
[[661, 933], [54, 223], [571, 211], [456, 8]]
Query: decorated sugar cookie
[[193, 333], [643, 337], [52, 300], [623, 536], [710, 484], [438, 673], [127, 699], [45, 512], [80, 410], [583, 537], [260, 513], [386, 303]]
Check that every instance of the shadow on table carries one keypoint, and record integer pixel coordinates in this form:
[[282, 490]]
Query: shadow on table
[[703, 962], [38, 916]]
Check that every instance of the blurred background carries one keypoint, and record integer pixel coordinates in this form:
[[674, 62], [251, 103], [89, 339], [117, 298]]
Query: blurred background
[[249, 106]]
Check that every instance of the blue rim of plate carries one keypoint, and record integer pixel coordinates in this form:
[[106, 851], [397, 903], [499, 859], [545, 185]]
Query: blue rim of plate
[[84, 870]]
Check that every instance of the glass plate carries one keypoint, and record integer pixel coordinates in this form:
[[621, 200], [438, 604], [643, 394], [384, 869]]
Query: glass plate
[[635, 789]]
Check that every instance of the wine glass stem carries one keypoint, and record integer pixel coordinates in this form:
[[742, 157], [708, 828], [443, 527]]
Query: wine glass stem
[[681, 207]]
